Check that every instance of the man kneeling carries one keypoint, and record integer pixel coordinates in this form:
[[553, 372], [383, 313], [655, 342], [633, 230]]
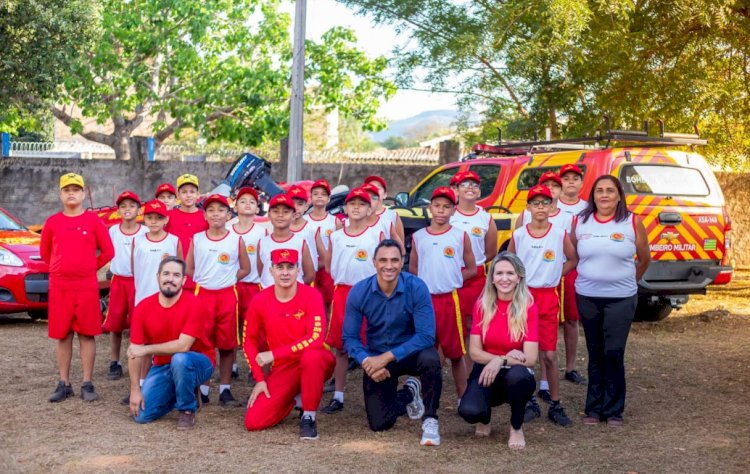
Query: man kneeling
[[291, 317], [172, 327]]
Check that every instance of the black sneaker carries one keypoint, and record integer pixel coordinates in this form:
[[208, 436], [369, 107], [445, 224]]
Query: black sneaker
[[333, 407], [532, 410], [545, 396], [61, 392], [308, 428], [204, 399], [115, 371], [88, 393], [235, 373], [226, 399], [575, 377], [557, 415]]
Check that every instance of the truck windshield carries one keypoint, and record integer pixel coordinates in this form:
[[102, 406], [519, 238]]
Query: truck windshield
[[663, 180], [424, 193]]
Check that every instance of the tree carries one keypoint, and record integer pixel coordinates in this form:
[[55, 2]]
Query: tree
[[220, 67]]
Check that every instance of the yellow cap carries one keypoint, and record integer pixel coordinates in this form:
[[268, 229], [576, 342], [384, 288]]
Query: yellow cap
[[187, 179], [71, 178]]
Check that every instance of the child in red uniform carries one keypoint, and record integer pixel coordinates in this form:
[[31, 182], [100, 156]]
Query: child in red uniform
[[70, 240], [291, 316], [122, 286], [301, 226], [217, 260], [167, 194], [323, 225], [389, 216], [187, 220]]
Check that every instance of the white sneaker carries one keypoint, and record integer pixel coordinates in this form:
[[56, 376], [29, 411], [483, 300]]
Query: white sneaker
[[415, 409], [430, 432]]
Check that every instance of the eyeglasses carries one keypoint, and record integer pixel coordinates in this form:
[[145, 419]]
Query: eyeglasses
[[468, 184], [540, 202]]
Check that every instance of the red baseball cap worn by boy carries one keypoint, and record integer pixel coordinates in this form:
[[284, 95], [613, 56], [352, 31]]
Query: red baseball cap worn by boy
[[155, 206], [280, 256], [281, 200], [445, 192], [165, 187], [358, 193], [128, 195], [538, 190]]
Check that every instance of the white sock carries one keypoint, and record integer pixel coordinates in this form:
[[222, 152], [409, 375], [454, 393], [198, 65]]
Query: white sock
[[234, 367], [204, 390], [223, 387], [140, 382], [544, 385], [311, 414], [338, 396], [298, 401]]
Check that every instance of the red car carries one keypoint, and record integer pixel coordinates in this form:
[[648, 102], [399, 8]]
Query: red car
[[23, 274]]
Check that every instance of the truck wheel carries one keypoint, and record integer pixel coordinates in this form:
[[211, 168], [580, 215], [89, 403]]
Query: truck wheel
[[651, 312], [38, 314]]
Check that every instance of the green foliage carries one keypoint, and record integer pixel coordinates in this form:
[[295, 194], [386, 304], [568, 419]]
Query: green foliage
[[352, 136], [395, 143]]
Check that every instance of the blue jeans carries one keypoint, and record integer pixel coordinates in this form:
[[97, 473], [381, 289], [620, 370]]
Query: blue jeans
[[172, 386]]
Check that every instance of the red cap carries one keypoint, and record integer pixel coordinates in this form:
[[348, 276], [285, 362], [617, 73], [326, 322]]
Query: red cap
[[463, 176], [281, 200], [360, 193], [296, 191], [571, 168], [155, 206], [128, 195], [215, 198], [370, 188], [321, 183], [550, 175], [446, 192], [280, 256], [165, 187], [247, 190], [538, 190], [377, 178]]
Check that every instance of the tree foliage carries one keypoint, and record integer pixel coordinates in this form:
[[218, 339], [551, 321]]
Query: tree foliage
[[564, 64]]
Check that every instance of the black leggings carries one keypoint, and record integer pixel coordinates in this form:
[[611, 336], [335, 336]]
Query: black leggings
[[514, 386]]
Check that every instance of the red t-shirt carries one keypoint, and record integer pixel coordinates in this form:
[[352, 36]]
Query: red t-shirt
[[289, 327], [185, 225], [154, 324], [497, 340], [69, 246]]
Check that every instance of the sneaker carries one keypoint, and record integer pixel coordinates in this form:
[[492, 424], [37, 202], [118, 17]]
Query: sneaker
[[557, 415], [185, 420], [227, 399], [590, 420], [235, 373], [308, 428], [430, 432], [61, 392], [88, 393], [575, 377], [532, 410], [330, 386], [333, 407], [125, 400], [415, 409], [204, 398], [614, 421], [545, 396], [115, 371]]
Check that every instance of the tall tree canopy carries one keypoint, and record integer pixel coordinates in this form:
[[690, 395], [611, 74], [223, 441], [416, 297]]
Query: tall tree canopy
[[564, 64]]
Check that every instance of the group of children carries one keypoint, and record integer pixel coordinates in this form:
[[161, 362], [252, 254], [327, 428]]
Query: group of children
[[229, 261]]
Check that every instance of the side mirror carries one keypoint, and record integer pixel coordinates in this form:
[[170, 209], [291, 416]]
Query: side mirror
[[402, 199]]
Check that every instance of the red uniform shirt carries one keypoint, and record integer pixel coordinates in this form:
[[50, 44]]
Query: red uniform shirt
[[69, 246], [289, 327], [154, 324], [185, 225], [497, 340]]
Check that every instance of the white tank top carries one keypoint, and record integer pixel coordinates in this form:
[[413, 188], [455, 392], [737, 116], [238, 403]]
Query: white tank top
[[542, 256], [476, 226], [307, 232], [351, 255], [606, 264], [388, 218], [325, 227], [123, 244], [572, 209], [268, 244], [216, 261], [147, 255], [441, 258], [559, 219], [382, 225], [251, 239]]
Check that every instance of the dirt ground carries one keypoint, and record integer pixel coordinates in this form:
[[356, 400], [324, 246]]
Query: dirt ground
[[686, 412]]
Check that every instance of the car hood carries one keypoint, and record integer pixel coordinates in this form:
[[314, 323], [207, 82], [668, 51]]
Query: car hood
[[21, 242]]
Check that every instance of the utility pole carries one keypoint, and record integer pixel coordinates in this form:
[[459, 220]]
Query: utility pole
[[296, 142]]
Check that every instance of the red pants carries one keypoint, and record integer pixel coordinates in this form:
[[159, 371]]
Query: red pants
[[324, 284], [73, 311], [449, 330], [121, 303], [335, 336], [568, 297], [547, 302], [469, 294], [222, 305], [305, 374]]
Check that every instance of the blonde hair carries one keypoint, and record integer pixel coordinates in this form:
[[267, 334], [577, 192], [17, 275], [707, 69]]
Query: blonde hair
[[519, 303]]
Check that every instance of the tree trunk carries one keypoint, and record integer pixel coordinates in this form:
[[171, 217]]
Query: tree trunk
[[121, 147]]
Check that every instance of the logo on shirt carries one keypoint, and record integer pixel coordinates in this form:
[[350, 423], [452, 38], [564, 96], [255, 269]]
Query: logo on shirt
[[361, 255], [617, 237], [549, 256], [250, 249], [449, 252], [476, 231], [223, 258], [297, 314]]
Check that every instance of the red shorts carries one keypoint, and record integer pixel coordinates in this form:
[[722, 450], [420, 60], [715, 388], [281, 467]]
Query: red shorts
[[449, 331], [222, 304], [568, 297], [469, 294], [324, 284], [74, 311], [335, 336], [121, 303], [245, 293], [548, 304]]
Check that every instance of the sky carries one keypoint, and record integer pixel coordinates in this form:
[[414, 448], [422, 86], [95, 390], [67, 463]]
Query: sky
[[375, 41]]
